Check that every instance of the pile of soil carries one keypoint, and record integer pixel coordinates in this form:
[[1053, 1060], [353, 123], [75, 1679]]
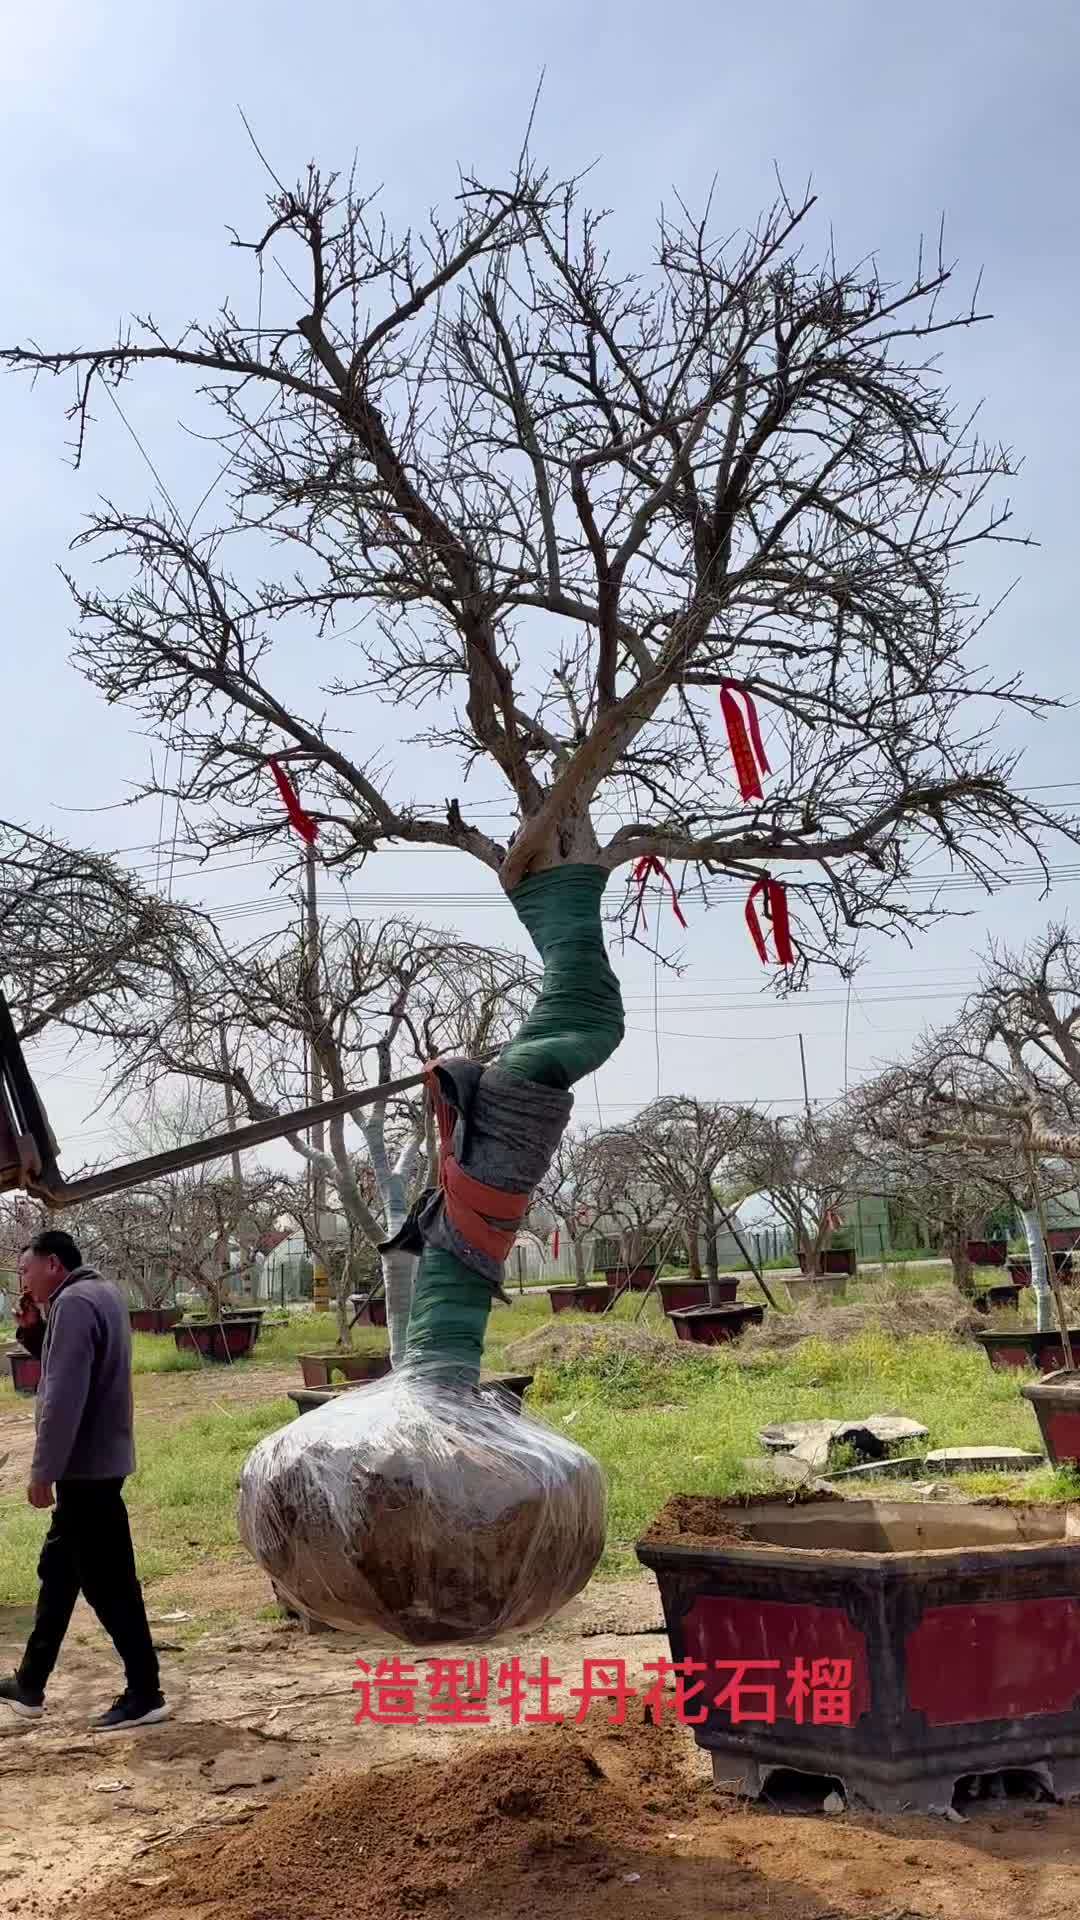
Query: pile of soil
[[476, 1835], [692, 1519], [893, 1310], [568, 1343]]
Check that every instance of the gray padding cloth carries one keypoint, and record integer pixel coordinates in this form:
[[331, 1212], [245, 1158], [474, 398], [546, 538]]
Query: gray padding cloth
[[505, 1135]]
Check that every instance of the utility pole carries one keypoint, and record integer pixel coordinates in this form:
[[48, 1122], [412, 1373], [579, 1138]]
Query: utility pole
[[805, 1083]]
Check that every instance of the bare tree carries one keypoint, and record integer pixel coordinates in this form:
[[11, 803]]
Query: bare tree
[[807, 1166], [628, 1195], [81, 942], [573, 1194], [685, 1146], [373, 1002], [576, 504]]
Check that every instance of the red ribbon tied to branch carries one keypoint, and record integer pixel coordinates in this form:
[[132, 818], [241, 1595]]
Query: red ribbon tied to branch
[[306, 827], [747, 749], [650, 864], [555, 1244], [774, 902]]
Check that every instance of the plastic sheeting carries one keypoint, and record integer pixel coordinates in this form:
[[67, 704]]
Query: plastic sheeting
[[424, 1507]]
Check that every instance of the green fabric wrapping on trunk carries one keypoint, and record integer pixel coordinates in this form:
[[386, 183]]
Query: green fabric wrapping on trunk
[[576, 1024]]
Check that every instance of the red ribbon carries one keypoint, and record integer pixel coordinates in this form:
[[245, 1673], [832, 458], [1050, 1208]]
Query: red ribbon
[[650, 864], [774, 900], [306, 827], [747, 751], [555, 1244]]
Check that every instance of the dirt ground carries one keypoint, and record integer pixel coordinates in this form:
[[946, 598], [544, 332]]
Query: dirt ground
[[262, 1799]]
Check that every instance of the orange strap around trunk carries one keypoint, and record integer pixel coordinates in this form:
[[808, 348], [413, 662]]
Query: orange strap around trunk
[[469, 1203]]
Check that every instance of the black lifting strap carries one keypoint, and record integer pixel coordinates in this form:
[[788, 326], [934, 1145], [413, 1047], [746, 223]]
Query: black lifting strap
[[28, 1151]]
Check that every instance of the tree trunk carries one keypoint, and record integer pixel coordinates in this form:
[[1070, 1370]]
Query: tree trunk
[[961, 1265], [398, 1268], [580, 1276], [693, 1250], [1040, 1282], [712, 1258]]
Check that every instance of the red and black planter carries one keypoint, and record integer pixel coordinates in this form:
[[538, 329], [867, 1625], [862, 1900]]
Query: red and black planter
[[1020, 1272], [1056, 1401], [993, 1299], [588, 1299], [987, 1253], [155, 1319], [222, 1341], [1022, 1347], [817, 1286], [715, 1326], [353, 1369], [892, 1649], [678, 1295], [25, 1369], [638, 1281], [369, 1310]]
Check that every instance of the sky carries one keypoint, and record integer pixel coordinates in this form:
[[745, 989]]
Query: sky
[[124, 159]]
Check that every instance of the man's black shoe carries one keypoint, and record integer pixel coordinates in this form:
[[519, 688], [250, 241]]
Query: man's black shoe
[[29, 1706], [127, 1713]]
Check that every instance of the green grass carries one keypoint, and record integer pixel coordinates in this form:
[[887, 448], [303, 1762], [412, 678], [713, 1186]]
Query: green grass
[[658, 1427]]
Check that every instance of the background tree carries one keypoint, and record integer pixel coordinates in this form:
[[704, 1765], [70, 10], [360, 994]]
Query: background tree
[[572, 1192], [687, 1148], [628, 1198], [807, 1166]]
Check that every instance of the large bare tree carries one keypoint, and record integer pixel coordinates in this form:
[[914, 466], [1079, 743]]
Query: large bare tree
[[569, 504], [687, 1149], [807, 1165]]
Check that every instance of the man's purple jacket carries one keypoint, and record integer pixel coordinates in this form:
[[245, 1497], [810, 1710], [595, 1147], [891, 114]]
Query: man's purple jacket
[[84, 1413]]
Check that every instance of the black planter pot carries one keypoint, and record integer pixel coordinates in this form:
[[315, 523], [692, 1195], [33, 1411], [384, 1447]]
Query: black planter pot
[[678, 1295], [222, 1341], [715, 1326], [987, 1253], [955, 1628], [989, 1299], [154, 1319], [25, 1369], [580, 1299]]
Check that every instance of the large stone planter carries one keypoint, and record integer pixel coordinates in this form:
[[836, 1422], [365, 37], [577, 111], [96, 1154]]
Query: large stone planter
[[894, 1648], [580, 1299], [368, 1311], [1023, 1347], [987, 1253], [817, 1286], [715, 1326]]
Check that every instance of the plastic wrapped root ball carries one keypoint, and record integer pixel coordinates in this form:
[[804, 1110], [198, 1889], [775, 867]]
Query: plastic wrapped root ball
[[431, 1511]]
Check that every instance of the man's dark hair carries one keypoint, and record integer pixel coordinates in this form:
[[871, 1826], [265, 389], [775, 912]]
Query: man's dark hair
[[54, 1240]]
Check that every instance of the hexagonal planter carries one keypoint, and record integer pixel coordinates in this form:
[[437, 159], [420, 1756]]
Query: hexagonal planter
[[221, 1341], [588, 1299], [1023, 1347], [25, 1369], [678, 1295], [638, 1282], [817, 1286], [1020, 1272], [321, 1369], [715, 1326], [987, 1253], [1056, 1401], [154, 1319], [368, 1312], [895, 1647]]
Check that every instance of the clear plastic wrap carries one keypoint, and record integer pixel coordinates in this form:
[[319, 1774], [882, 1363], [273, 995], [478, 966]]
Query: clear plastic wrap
[[431, 1510]]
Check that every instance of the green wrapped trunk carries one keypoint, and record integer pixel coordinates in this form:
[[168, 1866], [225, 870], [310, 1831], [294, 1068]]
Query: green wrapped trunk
[[576, 1024]]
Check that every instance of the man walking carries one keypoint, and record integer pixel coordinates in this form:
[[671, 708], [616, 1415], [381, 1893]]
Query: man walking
[[84, 1449]]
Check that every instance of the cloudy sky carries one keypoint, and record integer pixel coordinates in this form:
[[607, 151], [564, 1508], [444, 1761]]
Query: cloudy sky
[[124, 159]]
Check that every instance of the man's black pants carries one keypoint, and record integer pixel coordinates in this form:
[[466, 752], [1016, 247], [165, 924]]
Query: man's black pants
[[88, 1550]]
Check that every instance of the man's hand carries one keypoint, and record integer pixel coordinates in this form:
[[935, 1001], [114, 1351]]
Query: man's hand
[[40, 1493]]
